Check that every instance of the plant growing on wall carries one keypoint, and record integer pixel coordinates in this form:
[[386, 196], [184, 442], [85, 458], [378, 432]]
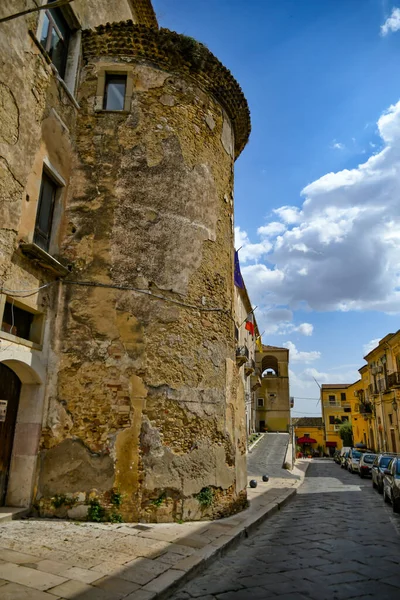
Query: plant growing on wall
[[346, 433], [205, 497], [96, 512]]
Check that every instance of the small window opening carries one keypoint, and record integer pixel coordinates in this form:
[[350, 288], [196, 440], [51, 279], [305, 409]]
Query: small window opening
[[114, 92], [331, 420], [44, 217], [260, 402], [343, 396], [17, 321]]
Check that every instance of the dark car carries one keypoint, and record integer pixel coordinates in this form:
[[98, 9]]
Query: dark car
[[379, 465], [365, 465], [336, 457], [391, 484]]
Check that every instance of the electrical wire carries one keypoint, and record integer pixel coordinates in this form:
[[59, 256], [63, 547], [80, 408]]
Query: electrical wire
[[20, 293], [147, 293]]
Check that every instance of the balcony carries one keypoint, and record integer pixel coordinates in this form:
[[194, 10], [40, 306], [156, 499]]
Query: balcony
[[372, 391], [333, 428], [365, 408], [337, 405], [242, 355], [249, 367], [394, 379]]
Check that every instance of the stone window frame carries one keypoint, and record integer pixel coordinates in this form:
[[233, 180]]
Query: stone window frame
[[260, 402], [70, 79], [113, 69], [37, 324]]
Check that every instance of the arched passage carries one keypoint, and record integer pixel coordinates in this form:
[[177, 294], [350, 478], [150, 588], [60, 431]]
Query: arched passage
[[269, 365], [24, 372]]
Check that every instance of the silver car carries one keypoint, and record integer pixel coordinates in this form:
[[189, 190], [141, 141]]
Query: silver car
[[365, 465]]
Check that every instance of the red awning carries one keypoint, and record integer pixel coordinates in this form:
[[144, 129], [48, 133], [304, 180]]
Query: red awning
[[331, 444], [306, 440]]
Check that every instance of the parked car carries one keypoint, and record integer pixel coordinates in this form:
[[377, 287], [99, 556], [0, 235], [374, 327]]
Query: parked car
[[365, 465], [336, 457], [343, 459], [343, 455], [353, 460], [391, 484], [379, 465]]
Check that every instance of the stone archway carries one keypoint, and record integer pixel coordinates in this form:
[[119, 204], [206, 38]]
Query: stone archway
[[31, 373]]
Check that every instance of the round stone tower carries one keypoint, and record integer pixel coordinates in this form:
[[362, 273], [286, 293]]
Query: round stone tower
[[147, 406]]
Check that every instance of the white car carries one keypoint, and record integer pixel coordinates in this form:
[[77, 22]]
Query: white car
[[353, 460]]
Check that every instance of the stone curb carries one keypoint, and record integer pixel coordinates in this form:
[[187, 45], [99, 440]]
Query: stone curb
[[215, 550], [250, 448]]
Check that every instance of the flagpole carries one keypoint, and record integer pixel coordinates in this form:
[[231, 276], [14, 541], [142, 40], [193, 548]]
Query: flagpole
[[252, 311]]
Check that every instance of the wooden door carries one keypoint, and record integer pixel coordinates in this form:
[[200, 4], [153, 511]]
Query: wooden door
[[393, 438], [10, 387]]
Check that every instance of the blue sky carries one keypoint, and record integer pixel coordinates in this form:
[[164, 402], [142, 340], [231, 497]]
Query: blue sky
[[322, 82]]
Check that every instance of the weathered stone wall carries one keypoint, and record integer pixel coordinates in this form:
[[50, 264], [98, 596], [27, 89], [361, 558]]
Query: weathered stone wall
[[147, 388]]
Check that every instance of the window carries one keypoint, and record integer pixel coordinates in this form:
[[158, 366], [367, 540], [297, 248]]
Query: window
[[391, 419], [55, 38], [114, 92], [17, 321], [331, 420], [345, 419], [306, 435], [332, 399], [44, 217], [260, 402], [347, 409], [343, 396]]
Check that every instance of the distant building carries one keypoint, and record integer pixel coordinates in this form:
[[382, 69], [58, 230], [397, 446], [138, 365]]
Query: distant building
[[272, 399], [336, 409], [309, 434]]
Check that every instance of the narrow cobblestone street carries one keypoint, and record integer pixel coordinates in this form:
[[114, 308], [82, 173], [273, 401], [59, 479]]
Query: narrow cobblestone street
[[337, 540]]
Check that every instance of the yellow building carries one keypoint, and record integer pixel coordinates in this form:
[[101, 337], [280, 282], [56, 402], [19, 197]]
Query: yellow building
[[336, 409], [363, 419], [383, 391], [312, 429], [273, 401]]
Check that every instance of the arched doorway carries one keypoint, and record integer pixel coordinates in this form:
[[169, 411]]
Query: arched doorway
[[10, 388]]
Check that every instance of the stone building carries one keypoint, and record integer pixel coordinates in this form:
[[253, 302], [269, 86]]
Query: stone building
[[273, 400], [246, 348], [118, 353]]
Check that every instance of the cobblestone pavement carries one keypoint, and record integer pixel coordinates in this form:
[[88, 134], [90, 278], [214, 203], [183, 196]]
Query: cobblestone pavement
[[268, 455], [337, 540]]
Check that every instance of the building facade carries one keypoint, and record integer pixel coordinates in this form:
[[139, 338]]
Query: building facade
[[336, 409], [272, 398], [246, 353], [118, 349]]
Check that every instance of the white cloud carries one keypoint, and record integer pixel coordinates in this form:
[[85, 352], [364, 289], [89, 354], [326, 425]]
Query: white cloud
[[338, 145], [305, 329], [248, 250], [392, 23], [340, 250], [370, 346], [272, 229], [301, 356], [289, 214]]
